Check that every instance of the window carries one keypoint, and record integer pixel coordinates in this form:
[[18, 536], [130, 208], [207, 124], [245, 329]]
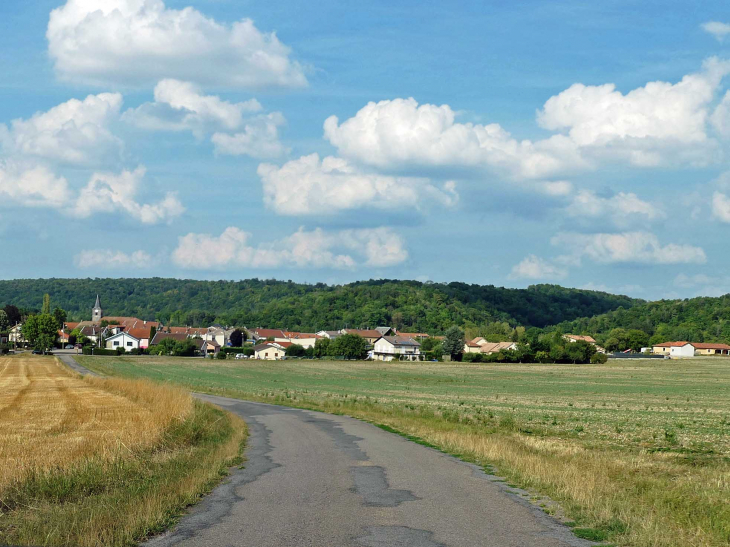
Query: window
[[116, 342], [129, 344]]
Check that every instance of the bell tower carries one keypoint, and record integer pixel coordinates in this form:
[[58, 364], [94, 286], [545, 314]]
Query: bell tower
[[96, 312]]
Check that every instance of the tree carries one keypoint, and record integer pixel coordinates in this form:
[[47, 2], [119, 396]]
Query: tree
[[321, 347], [41, 331], [4, 321], [60, 316], [237, 338], [349, 346], [14, 315], [46, 309], [78, 337], [153, 331], [295, 350], [454, 342]]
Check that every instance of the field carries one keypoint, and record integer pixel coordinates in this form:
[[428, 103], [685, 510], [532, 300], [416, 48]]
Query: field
[[636, 452], [91, 461]]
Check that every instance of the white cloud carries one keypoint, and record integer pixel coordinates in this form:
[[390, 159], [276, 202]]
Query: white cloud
[[720, 118], [721, 207], [660, 123], [379, 247], [310, 186], [74, 132], [132, 42], [400, 132], [106, 258], [181, 106], [648, 126], [533, 267], [32, 187], [638, 247], [259, 139], [107, 192], [620, 209], [703, 284], [717, 29]]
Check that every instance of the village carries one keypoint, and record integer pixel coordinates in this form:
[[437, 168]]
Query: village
[[132, 335]]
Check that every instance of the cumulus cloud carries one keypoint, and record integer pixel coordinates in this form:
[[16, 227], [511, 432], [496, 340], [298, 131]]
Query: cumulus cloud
[[259, 138], [721, 207], [620, 209], [234, 248], [657, 124], [111, 259], [717, 29], [131, 42], [181, 106], [399, 132], [108, 192], [32, 187], [703, 284], [74, 132], [534, 267], [309, 185], [636, 247]]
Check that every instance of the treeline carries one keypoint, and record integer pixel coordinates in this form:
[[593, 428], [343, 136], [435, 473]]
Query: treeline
[[406, 305], [701, 319]]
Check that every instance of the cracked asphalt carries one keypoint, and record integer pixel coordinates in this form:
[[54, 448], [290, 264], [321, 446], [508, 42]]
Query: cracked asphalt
[[319, 480]]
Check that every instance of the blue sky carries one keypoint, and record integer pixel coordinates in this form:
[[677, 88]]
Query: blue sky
[[492, 143]]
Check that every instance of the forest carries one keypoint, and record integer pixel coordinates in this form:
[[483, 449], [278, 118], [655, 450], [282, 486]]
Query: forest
[[406, 305]]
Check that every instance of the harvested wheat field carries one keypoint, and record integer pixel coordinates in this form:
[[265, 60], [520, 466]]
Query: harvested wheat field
[[50, 417], [102, 461]]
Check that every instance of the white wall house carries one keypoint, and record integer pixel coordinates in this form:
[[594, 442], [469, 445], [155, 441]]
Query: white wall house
[[269, 352], [122, 340], [396, 348], [687, 350]]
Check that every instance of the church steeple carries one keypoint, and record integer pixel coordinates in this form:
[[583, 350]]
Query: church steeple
[[96, 312]]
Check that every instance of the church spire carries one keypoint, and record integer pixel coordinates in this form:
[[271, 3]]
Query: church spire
[[98, 304], [96, 312]]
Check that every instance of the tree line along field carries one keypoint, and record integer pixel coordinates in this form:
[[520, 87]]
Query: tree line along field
[[92, 461], [637, 453]]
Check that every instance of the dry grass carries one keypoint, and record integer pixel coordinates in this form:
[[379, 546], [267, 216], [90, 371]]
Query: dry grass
[[102, 461], [636, 452], [51, 418]]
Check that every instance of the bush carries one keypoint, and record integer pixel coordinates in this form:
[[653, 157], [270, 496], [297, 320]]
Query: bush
[[234, 350], [599, 358], [89, 350], [4, 349], [472, 358], [222, 355]]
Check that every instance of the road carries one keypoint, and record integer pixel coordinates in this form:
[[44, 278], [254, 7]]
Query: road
[[314, 479]]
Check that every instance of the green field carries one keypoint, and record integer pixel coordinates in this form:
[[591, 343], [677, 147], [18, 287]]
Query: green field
[[637, 452]]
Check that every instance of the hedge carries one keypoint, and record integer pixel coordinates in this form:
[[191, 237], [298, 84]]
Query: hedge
[[101, 351]]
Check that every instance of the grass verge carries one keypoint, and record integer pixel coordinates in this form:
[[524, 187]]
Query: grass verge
[[121, 498]]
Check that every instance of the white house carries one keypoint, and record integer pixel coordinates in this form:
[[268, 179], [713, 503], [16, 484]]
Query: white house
[[269, 352], [122, 340], [219, 335], [389, 348], [15, 335]]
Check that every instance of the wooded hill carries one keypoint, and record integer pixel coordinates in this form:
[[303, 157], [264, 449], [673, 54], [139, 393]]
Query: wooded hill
[[701, 319], [407, 305]]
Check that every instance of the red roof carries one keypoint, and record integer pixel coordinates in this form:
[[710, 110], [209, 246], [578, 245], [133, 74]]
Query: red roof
[[705, 345], [671, 345], [269, 333], [140, 334], [365, 333], [283, 344]]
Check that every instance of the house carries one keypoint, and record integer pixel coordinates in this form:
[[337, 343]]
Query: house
[[122, 340], [674, 349], [15, 335], [92, 332], [207, 346], [189, 331], [160, 336], [264, 334], [371, 335], [414, 335], [495, 347], [142, 334], [474, 346], [304, 339], [331, 334], [702, 348], [221, 335], [578, 338], [269, 351], [389, 348], [386, 331], [690, 349]]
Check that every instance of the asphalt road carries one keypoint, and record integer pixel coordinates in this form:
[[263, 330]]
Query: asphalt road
[[318, 480]]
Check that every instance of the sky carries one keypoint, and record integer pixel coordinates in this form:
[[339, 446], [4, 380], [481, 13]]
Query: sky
[[502, 143]]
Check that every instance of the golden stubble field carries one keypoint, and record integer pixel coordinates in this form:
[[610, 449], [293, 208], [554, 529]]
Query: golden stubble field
[[51, 418]]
